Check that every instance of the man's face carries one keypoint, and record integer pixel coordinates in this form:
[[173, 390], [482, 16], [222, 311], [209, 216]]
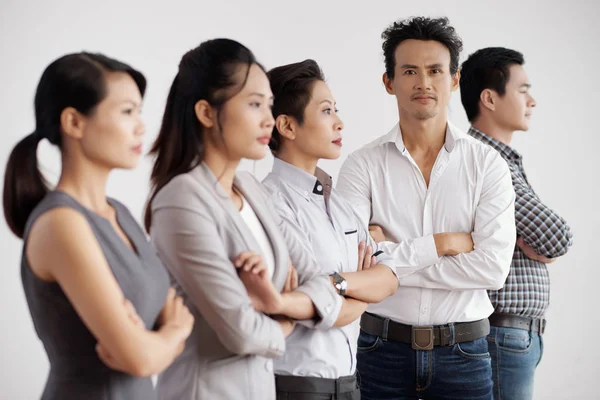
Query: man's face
[[513, 110], [422, 81]]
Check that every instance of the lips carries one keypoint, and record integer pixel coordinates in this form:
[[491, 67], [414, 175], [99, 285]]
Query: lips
[[337, 142], [264, 140], [423, 98], [137, 149]]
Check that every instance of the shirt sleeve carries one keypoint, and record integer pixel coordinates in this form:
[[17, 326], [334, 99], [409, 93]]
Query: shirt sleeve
[[540, 227], [313, 281]]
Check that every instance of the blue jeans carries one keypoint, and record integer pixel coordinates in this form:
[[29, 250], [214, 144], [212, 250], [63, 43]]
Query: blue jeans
[[515, 355], [393, 370]]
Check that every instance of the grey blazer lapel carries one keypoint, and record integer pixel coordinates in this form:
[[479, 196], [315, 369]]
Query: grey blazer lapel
[[265, 215], [206, 177]]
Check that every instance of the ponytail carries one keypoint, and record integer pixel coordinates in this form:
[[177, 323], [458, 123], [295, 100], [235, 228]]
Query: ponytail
[[178, 148], [24, 184]]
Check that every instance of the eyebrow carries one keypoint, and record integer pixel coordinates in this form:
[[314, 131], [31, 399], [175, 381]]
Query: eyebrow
[[410, 66], [526, 85], [260, 95], [133, 103], [327, 101]]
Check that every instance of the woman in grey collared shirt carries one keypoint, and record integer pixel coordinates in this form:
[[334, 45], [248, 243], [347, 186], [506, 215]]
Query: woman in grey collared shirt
[[206, 218], [307, 128]]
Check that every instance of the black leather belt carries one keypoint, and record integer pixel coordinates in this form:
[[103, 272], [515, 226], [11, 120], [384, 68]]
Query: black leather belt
[[424, 337], [312, 384], [537, 325]]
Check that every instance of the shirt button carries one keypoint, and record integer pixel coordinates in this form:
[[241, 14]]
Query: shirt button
[[424, 310], [305, 193], [328, 309], [319, 188]]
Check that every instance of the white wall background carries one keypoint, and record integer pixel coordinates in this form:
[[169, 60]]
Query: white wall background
[[559, 40]]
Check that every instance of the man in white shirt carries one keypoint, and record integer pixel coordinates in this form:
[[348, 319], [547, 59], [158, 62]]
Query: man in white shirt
[[445, 203]]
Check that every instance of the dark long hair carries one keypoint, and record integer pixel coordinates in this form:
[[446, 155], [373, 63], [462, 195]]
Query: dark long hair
[[209, 72], [74, 80]]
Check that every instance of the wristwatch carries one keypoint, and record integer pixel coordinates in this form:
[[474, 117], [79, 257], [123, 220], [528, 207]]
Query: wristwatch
[[340, 283]]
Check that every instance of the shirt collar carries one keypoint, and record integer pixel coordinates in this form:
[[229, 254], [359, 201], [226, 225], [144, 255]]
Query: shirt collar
[[301, 181], [453, 135], [507, 152]]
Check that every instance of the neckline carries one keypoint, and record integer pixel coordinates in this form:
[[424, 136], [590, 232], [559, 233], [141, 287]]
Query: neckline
[[134, 248]]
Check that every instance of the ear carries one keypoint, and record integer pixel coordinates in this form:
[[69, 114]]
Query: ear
[[456, 81], [72, 123], [488, 99], [286, 126], [205, 113], [387, 82]]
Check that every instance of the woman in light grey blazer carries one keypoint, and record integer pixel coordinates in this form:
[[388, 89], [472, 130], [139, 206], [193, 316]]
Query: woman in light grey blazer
[[227, 250]]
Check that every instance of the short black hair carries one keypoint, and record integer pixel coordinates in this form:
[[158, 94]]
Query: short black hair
[[292, 86], [487, 68], [420, 28]]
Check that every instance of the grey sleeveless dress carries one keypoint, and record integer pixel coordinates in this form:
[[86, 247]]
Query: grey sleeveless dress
[[76, 372]]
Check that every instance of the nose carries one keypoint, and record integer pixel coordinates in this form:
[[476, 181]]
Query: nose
[[532, 102], [140, 128], [339, 124], [423, 82], [269, 121]]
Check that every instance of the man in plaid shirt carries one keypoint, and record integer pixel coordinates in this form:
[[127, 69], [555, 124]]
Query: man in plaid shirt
[[495, 94]]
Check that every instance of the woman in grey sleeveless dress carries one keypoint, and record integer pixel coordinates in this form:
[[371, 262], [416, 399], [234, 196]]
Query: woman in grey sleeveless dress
[[97, 292]]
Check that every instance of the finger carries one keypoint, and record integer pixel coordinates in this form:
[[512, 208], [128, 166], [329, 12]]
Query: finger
[[361, 254], [368, 255], [251, 262], [294, 284], [132, 312], [373, 260], [288, 280], [179, 304], [170, 295], [259, 267], [242, 257]]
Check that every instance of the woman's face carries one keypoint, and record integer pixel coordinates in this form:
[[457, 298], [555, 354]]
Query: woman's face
[[319, 135], [246, 120], [112, 135]]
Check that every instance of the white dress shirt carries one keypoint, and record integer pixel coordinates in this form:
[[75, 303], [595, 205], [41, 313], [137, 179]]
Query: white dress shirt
[[470, 190], [333, 231]]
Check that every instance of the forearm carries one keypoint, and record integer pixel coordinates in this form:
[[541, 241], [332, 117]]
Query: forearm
[[371, 285], [167, 344], [147, 353], [297, 305], [351, 310], [479, 269]]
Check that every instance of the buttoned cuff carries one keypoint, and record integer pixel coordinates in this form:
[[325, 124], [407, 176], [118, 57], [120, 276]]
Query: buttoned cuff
[[327, 302], [276, 347], [424, 248], [388, 261]]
